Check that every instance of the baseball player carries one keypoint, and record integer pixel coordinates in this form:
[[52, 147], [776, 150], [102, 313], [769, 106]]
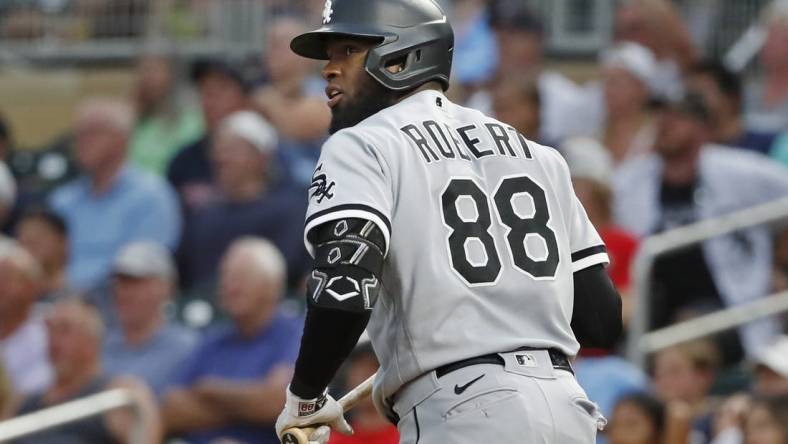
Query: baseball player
[[457, 242]]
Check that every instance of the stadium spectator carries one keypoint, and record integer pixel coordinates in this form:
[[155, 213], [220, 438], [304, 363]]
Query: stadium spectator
[[688, 180], [520, 38], [369, 427], [35, 172], [23, 336], [766, 100], [44, 234], [657, 25], [771, 368], [628, 71], [147, 345], [223, 91], [249, 203], [638, 418], [767, 422], [516, 101], [166, 121], [293, 100], [683, 377], [233, 385], [75, 332], [758, 420], [722, 91], [113, 203], [7, 194], [591, 169], [607, 377], [475, 48], [686, 372]]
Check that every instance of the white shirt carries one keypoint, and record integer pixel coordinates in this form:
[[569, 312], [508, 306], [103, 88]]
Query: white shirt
[[25, 357]]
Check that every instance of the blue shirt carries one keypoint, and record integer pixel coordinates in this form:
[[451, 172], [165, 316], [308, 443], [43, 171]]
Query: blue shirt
[[191, 164], [750, 140], [224, 353], [277, 215], [138, 206], [476, 51], [298, 161], [157, 361], [607, 378]]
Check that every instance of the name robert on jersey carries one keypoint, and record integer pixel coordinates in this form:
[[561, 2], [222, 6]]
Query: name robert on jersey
[[465, 142]]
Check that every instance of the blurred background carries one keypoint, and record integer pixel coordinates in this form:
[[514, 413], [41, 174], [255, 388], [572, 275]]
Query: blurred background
[[155, 158]]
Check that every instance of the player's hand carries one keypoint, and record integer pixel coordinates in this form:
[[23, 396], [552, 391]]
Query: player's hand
[[320, 411]]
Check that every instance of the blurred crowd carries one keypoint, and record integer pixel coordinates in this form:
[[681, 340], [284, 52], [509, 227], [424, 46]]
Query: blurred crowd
[[158, 245]]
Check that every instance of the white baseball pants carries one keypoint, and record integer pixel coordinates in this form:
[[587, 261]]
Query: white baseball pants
[[526, 401]]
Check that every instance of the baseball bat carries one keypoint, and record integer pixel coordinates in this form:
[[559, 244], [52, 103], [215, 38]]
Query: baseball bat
[[297, 435]]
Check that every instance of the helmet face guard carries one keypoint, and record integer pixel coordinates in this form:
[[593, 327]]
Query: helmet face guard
[[413, 33]]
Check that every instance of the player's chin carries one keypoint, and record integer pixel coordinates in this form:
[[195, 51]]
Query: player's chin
[[341, 119]]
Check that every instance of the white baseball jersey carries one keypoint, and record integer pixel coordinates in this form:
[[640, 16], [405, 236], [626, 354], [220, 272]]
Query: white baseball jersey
[[483, 232]]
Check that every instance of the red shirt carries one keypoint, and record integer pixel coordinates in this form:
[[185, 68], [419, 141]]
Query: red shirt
[[385, 435], [621, 247]]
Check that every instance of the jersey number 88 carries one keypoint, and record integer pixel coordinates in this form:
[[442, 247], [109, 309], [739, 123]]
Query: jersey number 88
[[518, 227]]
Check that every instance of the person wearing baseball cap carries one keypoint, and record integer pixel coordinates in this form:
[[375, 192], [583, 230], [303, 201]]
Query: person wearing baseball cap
[[248, 200], [223, 90], [146, 344], [628, 71]]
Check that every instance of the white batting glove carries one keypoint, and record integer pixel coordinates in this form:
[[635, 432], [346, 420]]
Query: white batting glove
[[317, 412]]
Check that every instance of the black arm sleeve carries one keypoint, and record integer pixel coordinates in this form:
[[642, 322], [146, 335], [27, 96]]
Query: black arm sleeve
[[329, 337], [341, 291], [596, 319]]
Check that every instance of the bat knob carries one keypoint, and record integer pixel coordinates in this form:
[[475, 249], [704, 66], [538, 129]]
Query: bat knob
[[296, 436]]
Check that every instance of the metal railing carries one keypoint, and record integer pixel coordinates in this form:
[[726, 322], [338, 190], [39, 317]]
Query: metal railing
[[657, 245], [713, 323], [74, 411]]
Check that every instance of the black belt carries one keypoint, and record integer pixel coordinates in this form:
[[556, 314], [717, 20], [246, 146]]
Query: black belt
[[557, 357]]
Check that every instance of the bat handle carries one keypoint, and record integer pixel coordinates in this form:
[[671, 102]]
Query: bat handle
[[297, 436]]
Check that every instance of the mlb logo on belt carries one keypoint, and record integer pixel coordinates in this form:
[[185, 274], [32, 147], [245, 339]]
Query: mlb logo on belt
[[526, 360]]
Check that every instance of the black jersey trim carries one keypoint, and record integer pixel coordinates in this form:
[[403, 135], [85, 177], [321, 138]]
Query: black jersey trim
[[345, 207], [416, 420], [351, 211], [587, 252]]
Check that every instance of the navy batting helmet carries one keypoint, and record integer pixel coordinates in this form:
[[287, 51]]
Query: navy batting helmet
[[414, 33]]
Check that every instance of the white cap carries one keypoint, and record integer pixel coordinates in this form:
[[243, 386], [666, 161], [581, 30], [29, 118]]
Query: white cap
[[776, 13], [7, 186], [588, 159], [251, 127], [775, 356], [634, 58], [145, 259]]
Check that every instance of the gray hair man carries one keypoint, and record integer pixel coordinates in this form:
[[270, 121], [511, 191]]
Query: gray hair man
[[146, 344]]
